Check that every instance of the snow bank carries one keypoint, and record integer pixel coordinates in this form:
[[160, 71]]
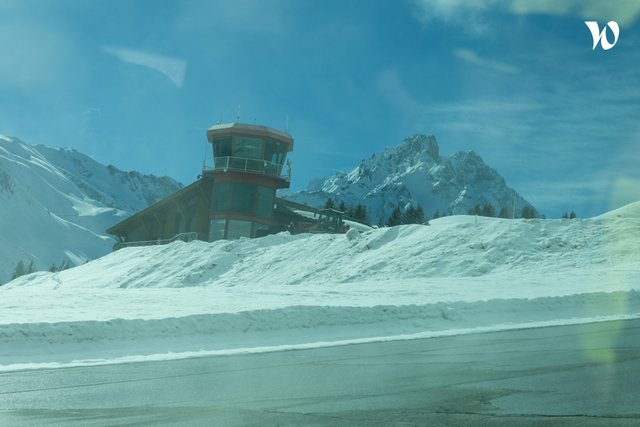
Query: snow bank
[[631, 210], [460, 246], [97, 341], [460, 272]]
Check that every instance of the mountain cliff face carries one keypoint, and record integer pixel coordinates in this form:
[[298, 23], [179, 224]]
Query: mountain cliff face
[[414, 173], [56, 203]]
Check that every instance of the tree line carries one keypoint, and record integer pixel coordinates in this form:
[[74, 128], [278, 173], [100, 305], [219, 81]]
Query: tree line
[[487, 209], [23, 268], [416, 214]]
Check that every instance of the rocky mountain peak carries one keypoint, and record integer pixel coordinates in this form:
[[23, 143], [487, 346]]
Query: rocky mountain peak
[[415, 173], [420, 144]]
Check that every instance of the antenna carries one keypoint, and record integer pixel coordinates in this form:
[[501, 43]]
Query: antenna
[[204, 158], [238, 114]]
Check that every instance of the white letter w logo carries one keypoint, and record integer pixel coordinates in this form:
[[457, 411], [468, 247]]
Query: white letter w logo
[[601, 37]]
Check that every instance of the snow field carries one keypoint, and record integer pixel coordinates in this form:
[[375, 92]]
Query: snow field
[[459, 273]]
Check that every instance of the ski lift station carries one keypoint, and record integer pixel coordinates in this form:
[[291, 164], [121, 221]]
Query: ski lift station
[[232, 198]]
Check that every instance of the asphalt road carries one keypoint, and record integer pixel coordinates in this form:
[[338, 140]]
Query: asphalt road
[[584, 375]]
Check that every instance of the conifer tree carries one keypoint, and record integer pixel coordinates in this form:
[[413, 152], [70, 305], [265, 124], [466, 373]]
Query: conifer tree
[[18, 270], [329, 204], [395, 218], [32, 267], [528, 212], [413, 215], [488, 210], [360, 213], [476, 210], [572, 215]]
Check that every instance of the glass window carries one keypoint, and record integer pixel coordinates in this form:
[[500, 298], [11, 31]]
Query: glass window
[[243, 198], [222, 147], [216, 232], [270, 151], [247, 147], [259, 230], [265, 202], [237, 229], [221, 197]]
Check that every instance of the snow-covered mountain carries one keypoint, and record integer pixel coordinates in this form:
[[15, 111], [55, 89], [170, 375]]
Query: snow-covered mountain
[[56, 203], [415, 173]]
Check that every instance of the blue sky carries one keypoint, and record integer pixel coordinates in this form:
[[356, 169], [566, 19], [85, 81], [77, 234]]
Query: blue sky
[[137, 83]]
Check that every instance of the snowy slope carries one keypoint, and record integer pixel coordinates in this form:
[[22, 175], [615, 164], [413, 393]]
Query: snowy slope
[[461, 274], [415, 173], [56, 203]]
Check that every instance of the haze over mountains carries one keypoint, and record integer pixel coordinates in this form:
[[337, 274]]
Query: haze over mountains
[[415, 173], [56, 203]]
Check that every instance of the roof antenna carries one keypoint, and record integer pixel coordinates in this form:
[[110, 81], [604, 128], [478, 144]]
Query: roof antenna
[[286, 124], [204, 159], [238, 114]]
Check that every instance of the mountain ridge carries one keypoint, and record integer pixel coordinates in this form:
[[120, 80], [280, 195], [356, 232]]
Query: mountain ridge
[[415, 173], [56, 203]]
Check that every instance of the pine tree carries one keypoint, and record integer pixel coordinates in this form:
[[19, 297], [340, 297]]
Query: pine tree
[[413, 215], [572, 215], [18, 270], [395, 218], [528, 212], [360, 213], [504, 213], [436, 214], [565, 215], [32, 267], [329, 204], [342, 207], [488, 210], [476, 210]]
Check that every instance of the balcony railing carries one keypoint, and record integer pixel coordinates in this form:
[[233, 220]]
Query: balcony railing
[[184, 237], [243, 164]]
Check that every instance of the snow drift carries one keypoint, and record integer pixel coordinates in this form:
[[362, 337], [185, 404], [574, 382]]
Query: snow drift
[[459, 273]]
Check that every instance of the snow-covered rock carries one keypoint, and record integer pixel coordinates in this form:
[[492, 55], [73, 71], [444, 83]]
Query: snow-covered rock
[[414, 173], [56, 203]]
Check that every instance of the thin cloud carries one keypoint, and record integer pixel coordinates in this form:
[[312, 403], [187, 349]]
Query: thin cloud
[[463, 13], [390, 85], [473, 58], [172, 68], [625, 12], [472, 14]]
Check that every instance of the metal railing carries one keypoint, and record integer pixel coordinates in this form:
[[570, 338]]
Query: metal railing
[[247, 165], [184, 237]]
